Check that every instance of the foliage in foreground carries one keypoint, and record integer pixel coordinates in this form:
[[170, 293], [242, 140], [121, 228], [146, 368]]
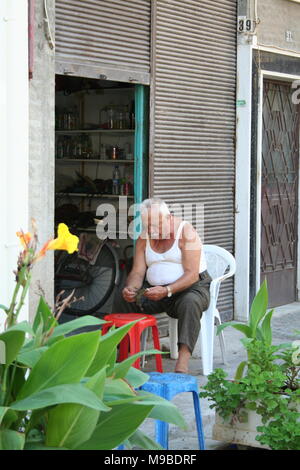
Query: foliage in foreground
[[270, 386], [60, 390]]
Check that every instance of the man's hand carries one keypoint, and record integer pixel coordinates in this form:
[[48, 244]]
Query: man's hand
[[156, 293], [129, 294]]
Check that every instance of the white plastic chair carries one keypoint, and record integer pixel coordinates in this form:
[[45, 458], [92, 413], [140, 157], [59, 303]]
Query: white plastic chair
[[218, 262]]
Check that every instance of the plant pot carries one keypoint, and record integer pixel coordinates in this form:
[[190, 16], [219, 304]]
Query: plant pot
[[239, 433], [243, 433]]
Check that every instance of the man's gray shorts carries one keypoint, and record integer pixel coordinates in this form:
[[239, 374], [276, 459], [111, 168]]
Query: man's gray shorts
[[187, 306]]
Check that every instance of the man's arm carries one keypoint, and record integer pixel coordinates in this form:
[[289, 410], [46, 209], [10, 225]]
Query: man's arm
[[136, 276], [191, 247]]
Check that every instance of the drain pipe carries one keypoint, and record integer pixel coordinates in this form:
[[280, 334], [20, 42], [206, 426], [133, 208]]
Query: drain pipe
[[243, 168]]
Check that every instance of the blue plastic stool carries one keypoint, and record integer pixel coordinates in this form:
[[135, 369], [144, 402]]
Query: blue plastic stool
[[167, 386]]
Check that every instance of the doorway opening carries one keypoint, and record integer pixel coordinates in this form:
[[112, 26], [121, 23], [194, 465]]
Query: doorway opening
[[101, 155]]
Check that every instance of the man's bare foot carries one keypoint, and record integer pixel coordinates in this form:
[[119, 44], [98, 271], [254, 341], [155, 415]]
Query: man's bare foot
[[182, 364], [181, 370]]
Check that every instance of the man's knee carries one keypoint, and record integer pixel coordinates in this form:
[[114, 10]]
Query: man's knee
[[190, 304]]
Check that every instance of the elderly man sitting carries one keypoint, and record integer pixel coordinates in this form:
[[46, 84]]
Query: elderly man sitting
[[170, 264]]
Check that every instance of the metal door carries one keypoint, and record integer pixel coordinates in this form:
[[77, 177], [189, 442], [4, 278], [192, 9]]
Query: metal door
[[193, 109], [279, 197]]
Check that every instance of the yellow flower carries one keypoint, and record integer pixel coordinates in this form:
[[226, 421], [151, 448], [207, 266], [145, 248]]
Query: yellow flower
[[24, 238], [64, 241]]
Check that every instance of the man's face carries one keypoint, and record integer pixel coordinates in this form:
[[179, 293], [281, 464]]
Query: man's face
[[156, 224]]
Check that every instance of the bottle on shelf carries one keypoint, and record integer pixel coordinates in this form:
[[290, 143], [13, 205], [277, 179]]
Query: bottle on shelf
[[110, 117], [116, 181], [128, 175], [114, 153]]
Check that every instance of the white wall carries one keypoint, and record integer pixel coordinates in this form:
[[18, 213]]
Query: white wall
[[13, 139], [41, 150], [277, 17]]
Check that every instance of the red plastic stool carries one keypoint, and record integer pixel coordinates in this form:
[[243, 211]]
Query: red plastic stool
[[132, 341]]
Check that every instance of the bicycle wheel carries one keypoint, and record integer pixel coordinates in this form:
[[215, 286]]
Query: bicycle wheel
[[93, 282]]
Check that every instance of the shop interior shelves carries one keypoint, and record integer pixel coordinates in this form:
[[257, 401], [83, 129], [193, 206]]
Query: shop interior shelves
[[92, 160], [94, 131], [110, 196]]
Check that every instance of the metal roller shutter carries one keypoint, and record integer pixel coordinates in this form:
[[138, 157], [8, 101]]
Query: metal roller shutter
[[192, 144], [110, 38]]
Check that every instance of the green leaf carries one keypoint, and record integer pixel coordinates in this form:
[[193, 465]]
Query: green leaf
[[223, 326], [3, 410], [136, 378], [163, 410], [13, 342], [70, 425], [122, 368], [44, 317], [106, 347], [240, 370], [64, 362], [2, 307], [22, 326], [72, 325], [40, 446], [238, 326], [116, 389], [67, 393], [266, 328], [115, 427], [18, 381], [111, 362], [246, 341], [30, 358], [9, 418], [243, 329], [258, 307], [11, 440], [139, 439], [52, 340], [259, 334]]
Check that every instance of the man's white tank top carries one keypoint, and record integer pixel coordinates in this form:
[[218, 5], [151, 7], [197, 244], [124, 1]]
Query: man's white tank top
[[165, 268]]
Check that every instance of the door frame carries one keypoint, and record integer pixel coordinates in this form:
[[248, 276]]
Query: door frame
[[265, 74]]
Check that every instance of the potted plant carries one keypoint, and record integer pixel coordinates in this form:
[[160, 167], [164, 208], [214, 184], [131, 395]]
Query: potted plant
[[260, 407], [68, 392]]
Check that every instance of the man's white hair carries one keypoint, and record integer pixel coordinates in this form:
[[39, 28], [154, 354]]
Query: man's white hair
[[150, 203]]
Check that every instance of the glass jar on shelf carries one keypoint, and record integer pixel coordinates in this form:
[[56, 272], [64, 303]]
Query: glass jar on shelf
[[108, 117]]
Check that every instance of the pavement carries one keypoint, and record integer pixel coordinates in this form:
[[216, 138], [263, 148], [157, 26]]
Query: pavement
[[284, 323]]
